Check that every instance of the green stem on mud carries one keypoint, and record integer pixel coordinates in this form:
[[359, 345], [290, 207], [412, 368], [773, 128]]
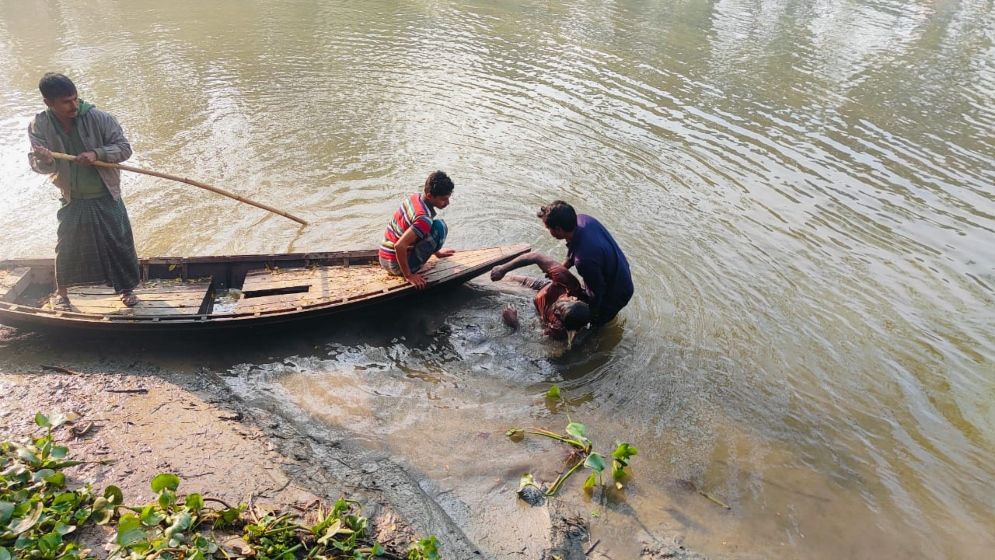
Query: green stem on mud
[[557, 437], [563, 478]]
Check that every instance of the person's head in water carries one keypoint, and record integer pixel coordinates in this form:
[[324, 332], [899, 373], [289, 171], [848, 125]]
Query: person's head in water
[[559, 218], [60, 95], [572, 313], [438, 189]]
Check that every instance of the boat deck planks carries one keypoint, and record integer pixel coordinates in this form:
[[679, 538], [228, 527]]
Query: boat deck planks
[[158, 297], [13, 282], [324, 285], [330, 284]]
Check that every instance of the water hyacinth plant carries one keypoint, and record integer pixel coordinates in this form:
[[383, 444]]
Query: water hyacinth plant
[[582, 455], [39, 516]]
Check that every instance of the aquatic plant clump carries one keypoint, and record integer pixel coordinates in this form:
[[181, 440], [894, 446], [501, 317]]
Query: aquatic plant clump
[[582, 455], [39, 516]]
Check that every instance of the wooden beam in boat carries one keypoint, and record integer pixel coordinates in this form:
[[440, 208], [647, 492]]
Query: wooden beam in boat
[[14, 282], [154, 299]]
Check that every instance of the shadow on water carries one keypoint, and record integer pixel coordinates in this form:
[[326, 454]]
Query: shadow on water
[[460, 328]]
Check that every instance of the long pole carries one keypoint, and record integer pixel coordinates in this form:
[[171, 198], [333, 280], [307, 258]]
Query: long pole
[[197, 184]]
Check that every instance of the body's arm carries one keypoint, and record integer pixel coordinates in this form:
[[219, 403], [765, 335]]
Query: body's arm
[[401, 250], [544, 262]]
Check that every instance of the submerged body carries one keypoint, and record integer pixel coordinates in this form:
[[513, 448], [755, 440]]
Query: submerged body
[[559, 300]]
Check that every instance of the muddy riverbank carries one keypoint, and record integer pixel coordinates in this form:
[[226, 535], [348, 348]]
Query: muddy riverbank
[[149, 421]]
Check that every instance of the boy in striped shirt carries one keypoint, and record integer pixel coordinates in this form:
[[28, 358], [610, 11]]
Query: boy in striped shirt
[[414, 233]]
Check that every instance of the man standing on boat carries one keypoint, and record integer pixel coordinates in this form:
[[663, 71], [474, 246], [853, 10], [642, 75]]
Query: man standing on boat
[[94, 239], [559, 298], [414, 233], [597, 256]]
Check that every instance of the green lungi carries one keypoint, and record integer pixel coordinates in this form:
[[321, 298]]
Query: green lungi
[[95, 244]]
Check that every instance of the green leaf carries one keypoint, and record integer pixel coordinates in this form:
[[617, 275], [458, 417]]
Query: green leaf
[[195, 502], [227, 517], [42, 474], [378, 550], [129, 531], [27, 455], [6, 512], [591, 480], [56, 479], [165, 481], [181, 523], [42, 420], [167, 499], [29, 520], [49, 543], [59, 452], [114, 495], [553, 392], [4, 553], [617, 472], [63, 529], [595, 462], [577, 430], [205, 545], [330, 532], [102, 516], [151, 516], [623, 452], [57, 420]]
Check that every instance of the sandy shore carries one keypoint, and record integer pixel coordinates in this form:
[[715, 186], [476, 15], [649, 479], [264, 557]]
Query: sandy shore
[[223, 447]]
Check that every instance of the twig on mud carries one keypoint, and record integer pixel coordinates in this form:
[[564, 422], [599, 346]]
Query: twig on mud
[[591, 549], [80, 431], [139, 391], [714, 500], [276, 490], [307, 507], [218, 500], [156, 409], [59, 369], [252, 510], [199, 475]]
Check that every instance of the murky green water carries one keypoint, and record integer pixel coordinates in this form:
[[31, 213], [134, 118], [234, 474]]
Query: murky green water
[[804, 190]]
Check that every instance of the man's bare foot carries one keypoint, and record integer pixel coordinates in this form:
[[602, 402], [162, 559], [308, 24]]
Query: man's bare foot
[[129, 299]]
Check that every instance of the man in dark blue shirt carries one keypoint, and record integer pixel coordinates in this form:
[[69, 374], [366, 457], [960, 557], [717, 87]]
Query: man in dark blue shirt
[[598, 259]]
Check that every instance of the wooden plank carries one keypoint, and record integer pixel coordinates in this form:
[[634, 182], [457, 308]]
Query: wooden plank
[[153, 291], [14, 282], [324, 278], [154, 299], [326, 285], [339, 284]]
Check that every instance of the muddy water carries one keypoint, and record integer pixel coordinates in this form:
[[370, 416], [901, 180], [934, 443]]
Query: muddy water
[[804, 189]]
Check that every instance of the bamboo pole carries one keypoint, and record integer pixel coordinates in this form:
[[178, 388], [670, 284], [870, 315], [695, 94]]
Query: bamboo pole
[[197, 184]]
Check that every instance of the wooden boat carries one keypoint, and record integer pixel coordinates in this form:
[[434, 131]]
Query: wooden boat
[[194, 294]]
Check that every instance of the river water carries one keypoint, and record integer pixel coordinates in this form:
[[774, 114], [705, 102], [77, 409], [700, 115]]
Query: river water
[[804, 189]]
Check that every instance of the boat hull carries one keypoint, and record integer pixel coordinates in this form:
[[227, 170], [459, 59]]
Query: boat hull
[[180, 294]]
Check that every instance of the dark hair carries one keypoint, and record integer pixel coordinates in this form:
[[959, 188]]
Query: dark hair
[[576, 315], [56, 86], [439, 184], [558, 214]]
